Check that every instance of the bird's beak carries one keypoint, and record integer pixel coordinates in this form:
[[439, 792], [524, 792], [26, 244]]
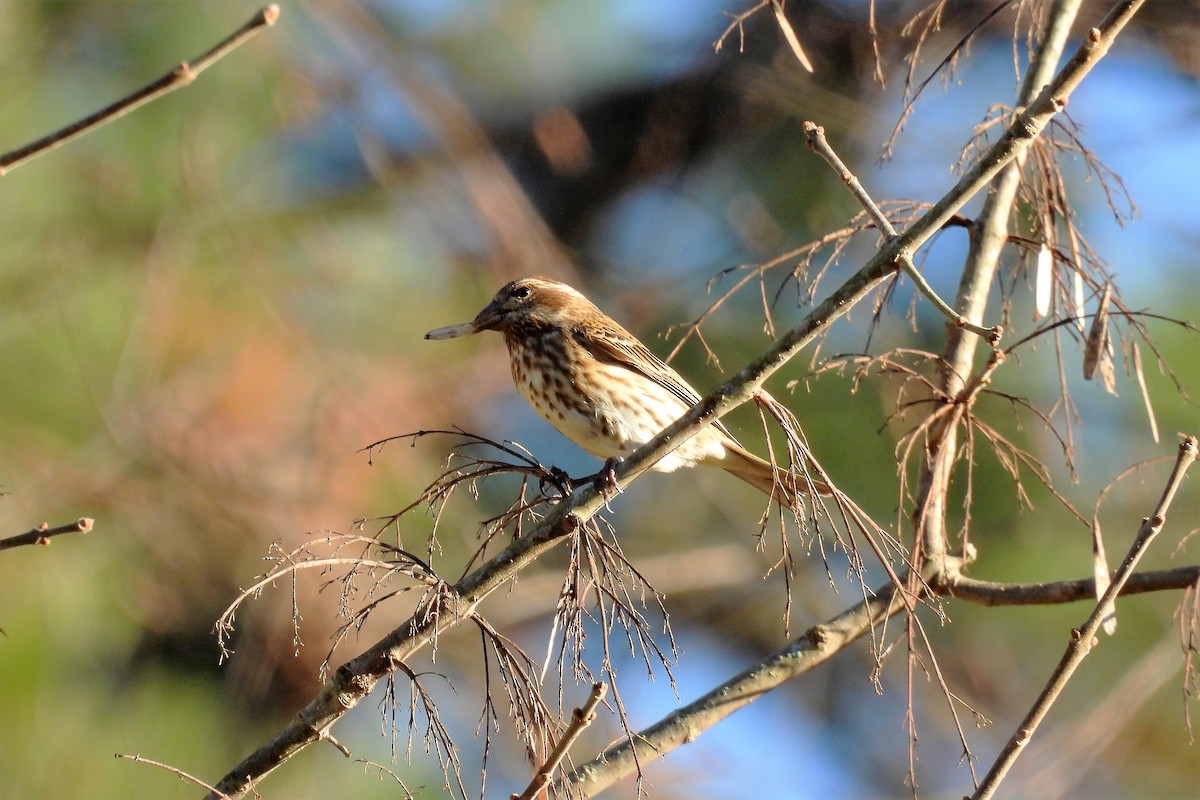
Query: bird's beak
[[453, 331], [482, 322]]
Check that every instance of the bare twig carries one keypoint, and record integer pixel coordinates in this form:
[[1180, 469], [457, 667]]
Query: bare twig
[[183, 776], [1083, 638], [42, 533], [931, 15], [353, 681], [580, 719], [385, 770], [739, 22], [789, 33], [992, 593], [178, 77], [818, 142]]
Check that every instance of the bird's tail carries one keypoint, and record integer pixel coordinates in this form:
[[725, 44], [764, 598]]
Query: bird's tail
[[784, 486]]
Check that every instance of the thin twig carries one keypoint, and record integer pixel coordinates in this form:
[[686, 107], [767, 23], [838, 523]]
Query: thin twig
[[739, 22], [176, 770], [580, 719], [946, 64], [1083, 638], [42, 533], [789, 33], [178, 77], [818, 143]]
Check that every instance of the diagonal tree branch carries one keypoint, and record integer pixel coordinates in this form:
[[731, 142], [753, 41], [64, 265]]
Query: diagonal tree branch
[[819, 144], [1083, 638], [820, 643], [816, 646], [180, 76], [353, 681], [580, 719]]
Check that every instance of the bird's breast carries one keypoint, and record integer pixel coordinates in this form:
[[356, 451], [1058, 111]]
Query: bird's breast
[[607, 409]]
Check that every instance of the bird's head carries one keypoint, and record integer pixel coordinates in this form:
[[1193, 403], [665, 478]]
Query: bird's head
[[523, 303]]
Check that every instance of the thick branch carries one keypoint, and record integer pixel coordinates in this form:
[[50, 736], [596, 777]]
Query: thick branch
[[983, 259], [179, 76], [817, 645], [990, 593], [991, 226]]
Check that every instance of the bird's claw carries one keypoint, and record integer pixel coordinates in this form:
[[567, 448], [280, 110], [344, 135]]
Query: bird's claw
[[559, 478], [605, 480]]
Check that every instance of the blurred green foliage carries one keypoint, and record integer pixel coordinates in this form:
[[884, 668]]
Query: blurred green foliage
[[212, 304]]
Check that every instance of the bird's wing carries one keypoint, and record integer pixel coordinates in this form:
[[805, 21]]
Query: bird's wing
[[612, 344]]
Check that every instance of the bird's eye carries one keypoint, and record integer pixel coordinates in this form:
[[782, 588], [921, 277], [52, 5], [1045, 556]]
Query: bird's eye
[[521, 292]]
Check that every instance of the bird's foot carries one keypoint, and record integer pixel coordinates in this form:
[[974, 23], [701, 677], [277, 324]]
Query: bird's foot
[[605, 480], [560, 480]]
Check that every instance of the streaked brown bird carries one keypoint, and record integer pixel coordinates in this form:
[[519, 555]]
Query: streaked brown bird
[[602, 388]]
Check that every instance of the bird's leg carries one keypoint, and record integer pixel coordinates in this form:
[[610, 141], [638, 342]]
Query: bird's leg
[[561, 481], [606, 479]]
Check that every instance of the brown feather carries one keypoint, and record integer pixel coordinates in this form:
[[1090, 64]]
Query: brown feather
[[602, 388]]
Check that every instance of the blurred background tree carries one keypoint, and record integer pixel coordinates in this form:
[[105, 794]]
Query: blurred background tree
[[214, 303]]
